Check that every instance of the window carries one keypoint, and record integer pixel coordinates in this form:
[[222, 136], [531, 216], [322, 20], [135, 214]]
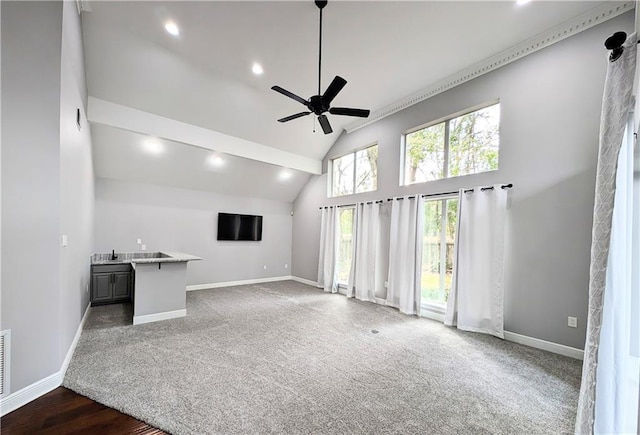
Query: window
[[345, 238], [440, 218], [356, 172], [463, 145]]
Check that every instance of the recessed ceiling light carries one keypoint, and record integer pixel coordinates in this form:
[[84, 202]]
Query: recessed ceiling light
[[257, 68], [172, 28], [522, 2], [285, 174], [153, 147], [215, 161]]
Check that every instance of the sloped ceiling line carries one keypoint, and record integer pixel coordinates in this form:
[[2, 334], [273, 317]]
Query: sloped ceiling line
[[574, 26]]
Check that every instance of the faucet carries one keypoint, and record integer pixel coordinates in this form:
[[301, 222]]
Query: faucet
[[113, 254]]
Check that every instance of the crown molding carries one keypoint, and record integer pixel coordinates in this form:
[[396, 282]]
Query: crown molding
[[593, 17]]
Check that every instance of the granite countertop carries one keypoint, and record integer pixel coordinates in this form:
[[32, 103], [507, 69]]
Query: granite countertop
[[168, 257], [143, 258]]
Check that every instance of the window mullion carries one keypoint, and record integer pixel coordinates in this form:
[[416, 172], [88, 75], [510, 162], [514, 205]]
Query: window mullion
[[445, 170], [443, 248], [355, 162]]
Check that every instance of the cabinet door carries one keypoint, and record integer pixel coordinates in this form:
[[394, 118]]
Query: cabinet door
[[121, 285], [101, 289]]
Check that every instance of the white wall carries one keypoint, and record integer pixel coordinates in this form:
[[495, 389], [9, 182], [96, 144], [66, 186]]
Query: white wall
[[31, 35], [173, 219], [76, 181], [550, 112]]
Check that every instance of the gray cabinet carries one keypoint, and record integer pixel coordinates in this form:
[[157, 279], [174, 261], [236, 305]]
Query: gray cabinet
[[111, 283]]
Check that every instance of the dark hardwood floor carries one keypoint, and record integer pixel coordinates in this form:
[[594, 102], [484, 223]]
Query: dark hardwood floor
[[64, 412]]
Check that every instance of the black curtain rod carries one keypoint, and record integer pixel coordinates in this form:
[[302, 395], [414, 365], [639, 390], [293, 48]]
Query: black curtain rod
[[504, 186], [614, 43], [350, 205]]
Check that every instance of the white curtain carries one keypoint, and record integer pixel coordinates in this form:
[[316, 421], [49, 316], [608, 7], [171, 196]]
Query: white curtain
[[327, 271], [605, 391], [365, 259], [616, 406], [405, 254], [476, 300]]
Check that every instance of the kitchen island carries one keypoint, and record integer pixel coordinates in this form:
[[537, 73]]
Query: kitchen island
[[158, 283]]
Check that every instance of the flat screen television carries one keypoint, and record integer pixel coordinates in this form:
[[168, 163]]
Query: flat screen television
[[239, 227]]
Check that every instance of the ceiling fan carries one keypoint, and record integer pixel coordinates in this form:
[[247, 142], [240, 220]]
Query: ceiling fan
[[319, 104]]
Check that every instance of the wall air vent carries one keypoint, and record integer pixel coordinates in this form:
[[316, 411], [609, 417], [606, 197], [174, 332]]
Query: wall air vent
[[5, 346]]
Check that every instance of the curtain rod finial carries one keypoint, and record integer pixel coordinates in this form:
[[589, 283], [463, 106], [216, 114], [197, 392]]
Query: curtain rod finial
[[614, 43]]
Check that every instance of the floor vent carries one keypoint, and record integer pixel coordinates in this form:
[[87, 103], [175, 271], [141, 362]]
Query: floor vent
[[5, 346]]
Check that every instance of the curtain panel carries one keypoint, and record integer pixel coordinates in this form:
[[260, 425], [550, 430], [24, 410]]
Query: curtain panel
[[405, 254], [600, 398], [476, 301], [364, 278], [327, 271]]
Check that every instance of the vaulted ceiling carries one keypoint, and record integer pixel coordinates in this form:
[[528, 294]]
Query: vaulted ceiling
[[198, 90]]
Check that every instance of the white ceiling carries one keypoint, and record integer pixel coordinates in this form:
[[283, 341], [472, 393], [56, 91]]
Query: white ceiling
[[385, 50], [123, 155]]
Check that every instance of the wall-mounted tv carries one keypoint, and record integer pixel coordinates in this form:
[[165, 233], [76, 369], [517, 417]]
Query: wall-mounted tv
[[239, 227]]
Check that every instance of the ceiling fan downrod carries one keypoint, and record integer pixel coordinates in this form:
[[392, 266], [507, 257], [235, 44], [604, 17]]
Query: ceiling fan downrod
[[321, 4]]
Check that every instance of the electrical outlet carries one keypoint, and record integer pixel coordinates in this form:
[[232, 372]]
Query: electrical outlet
[[139, 241], [143, 247], [572, 322], [65, 240], [286, 266], [265, 267]]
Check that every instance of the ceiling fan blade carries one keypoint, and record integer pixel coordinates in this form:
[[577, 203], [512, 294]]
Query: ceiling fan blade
[[297, 115], [290, 95], [324, 123], [346, 111], [336, 86]]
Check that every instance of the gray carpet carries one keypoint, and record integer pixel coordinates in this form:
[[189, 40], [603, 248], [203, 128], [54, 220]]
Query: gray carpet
[[284, 357]]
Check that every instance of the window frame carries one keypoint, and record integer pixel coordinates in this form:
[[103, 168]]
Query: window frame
[[343, 285], [430, 306], [330, 193], [446, 120]]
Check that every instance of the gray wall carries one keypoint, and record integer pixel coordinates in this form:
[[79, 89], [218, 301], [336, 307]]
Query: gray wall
[[47, 186], [31, 35], [550, 111], [76, 181], [172, 219]]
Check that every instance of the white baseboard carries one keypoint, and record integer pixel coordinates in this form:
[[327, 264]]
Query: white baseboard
[[235, 283], [30, 393], [74, 343], [148, 318], [549, 346], [43, 386], [304, 281]]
